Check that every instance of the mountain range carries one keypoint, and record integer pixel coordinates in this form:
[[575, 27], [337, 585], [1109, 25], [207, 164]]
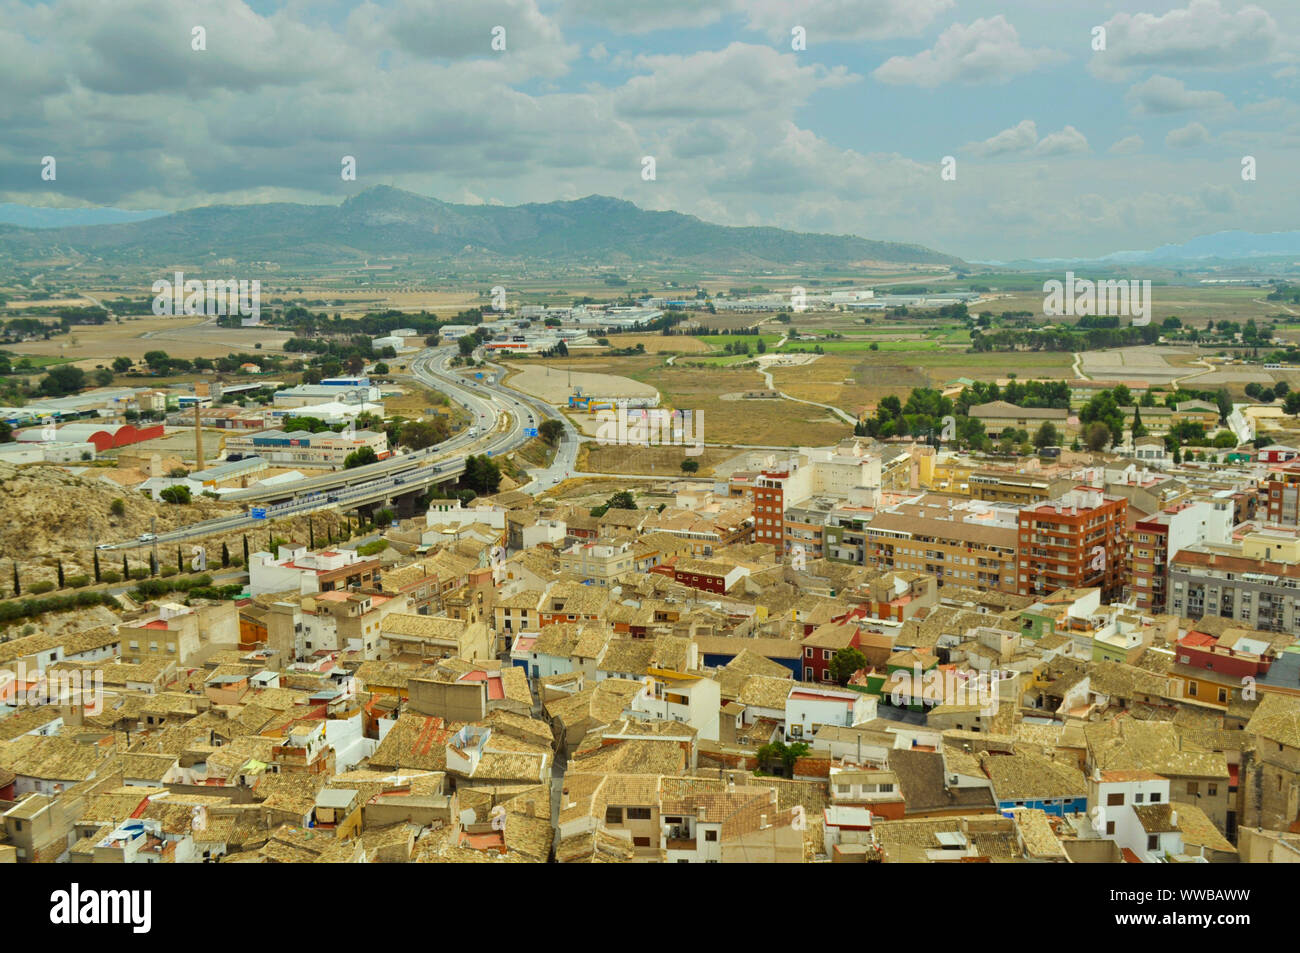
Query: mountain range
[[384, 222]]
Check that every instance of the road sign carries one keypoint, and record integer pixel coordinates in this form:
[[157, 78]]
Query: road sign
[[530, 431], [258, 512]]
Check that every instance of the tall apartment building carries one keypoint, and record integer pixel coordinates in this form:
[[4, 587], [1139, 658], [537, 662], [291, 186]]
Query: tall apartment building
[[1283, 492], [1076, 541], [1256, 582], [1159, 538], [964, 544]]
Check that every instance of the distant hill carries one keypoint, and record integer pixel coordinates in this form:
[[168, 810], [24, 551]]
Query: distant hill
[[384, 221]]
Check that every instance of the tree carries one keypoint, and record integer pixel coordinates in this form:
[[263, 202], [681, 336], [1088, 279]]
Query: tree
[[177, 493], [482, 474], [467, 345], [622, 500], [225, 555], [1139, 428], [103, 377], [1097, 436], [360, 458], [117, 507], [63, 380], [121, 364], [1224, 439], [1047, 435], [95, 558], [381, 368], [551, 431], [845, 662], [419, 434], [1292, 404], [59, 566], [18, 589], [690, 466]]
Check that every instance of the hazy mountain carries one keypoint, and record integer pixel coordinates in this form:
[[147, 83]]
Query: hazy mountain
[[30, 216], [389, 222], [1232, 245]]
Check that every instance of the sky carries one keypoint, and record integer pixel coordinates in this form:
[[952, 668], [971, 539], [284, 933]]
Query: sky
[[1058, 148]]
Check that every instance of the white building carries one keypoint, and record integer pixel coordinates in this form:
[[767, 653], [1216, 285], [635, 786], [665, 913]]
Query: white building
[[808, 707]]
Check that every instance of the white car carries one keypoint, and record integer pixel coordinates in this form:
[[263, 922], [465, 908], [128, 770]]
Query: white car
[[147, 537]]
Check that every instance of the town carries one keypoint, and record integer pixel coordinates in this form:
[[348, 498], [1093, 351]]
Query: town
[[440, 639]]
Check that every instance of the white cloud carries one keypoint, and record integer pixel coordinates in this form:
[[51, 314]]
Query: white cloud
[[1160, 95], [824, 20], [987, 51], [740, 80], [842, 20], [1201, 36], [1066, 142], [1185, 137], [1127, 146], [1022, 139]]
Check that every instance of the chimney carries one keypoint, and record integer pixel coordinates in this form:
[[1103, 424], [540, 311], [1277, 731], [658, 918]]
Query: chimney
[[198, 440]]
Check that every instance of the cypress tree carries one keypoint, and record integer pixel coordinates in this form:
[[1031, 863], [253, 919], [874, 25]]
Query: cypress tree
[[245, 552], [60, 570], [95, 557], [18, 590], [180, 563], [311, 534], [225, 555], [126, 572]]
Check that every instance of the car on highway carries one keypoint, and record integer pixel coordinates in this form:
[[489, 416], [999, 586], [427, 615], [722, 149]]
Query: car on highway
[[105, 546], [147, 537]]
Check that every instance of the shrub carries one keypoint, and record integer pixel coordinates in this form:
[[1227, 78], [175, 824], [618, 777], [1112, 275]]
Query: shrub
[[111, 576], [117, 507], [76, 582], [37, 588]]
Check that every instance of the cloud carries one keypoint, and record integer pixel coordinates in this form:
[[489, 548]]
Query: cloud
[[1066, 142], [1160, 95], [1127, 146], [987, 51], [824, 20], [1185, 137], [842, 20], [741, 79], [1022, 139], [1201, 36]]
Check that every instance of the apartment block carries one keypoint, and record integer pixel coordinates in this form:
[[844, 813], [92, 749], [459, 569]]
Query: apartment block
[[1076, 541]]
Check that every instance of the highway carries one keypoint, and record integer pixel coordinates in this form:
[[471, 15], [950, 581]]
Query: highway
[[501, 421]]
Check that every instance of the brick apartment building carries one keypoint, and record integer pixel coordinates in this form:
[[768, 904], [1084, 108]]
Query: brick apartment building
[[1076, 541]]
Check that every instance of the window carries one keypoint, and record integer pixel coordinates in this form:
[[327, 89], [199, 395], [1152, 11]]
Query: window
[[1152, 841], [711, 836], [1155, 797], [638, 813], [613, 815], [1212, 789], [1110, 827], [1193, 787], [1114, 800]]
